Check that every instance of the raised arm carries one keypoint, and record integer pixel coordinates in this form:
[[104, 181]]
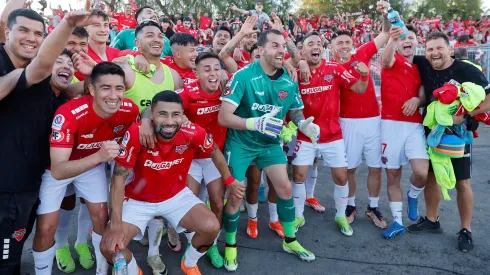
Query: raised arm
[[233, 7], [290, 46], [384, 36], [388, 55]]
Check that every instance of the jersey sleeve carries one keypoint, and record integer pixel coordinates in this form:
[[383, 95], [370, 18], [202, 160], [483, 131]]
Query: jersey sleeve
[[234, 90], [366, 52], [64, 129], [119, 41], [184, 94], [476, 76], [297, 103], [130, 147], [345, 78], [203, 142]]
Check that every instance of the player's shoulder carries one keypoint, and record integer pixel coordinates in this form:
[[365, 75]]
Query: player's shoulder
[[131, 135], [128, 107], [167, 60], [75, 107], [189, 129]]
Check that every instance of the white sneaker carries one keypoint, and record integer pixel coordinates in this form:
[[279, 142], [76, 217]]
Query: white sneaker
[[242, 207]]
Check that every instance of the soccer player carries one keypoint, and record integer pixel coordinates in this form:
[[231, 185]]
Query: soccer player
[[163, 169], [125, 20], [359, 116], [98, 34], [186, 28], [27, 60], [437, 68], [83, 139], [254, 105], [184, 51], [402, 133], [321, 97], [125, 39]]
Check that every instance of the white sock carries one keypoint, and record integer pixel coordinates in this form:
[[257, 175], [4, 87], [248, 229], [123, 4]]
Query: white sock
[[396, 211], [299, 196], [311, 181], [216, 240], [102, 264], [351, 201], [340, 194], [414, 191], [189, 235], [155, 230], [133, 266], [373, 202], [43, 261], [273, 217], [84, 224], [192, 256], [61, 236], [252, 211]]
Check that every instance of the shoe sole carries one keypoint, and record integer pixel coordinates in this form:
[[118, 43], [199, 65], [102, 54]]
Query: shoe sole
[[396, 234], [374, 219], [231, 268], [277, 232], [294, 253], [252, 237], [431, 231]]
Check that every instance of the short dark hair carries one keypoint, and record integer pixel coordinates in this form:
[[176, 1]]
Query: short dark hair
[[300, 39], [463, 38], [310, 34], [223, 28], [183, 39], [263, 36], [105, 68], [460, 53], [27, 13], [254, 47], [437, 35], [206, 55], [140, 10], [411, 28], [99, 13], [187, 19], [67, 53], [164, 20], [146, 23], [341, 32], [167, 96], [80, 32]]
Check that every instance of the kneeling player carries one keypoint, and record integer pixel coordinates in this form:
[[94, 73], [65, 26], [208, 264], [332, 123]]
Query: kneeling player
[[158, 186], [82, 141]]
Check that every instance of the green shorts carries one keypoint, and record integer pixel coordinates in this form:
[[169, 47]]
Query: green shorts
[[239, 156]]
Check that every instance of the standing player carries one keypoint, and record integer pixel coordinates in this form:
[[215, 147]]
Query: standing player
[[437, 68], [359, 116], [163, 168], [82, 141], [251, 102], [98, 34], [321, 97], [402, 133], [125, 20]]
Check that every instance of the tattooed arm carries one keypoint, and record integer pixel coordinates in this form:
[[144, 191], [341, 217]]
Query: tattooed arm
[[384, 36], [296, 116], [117, 193]]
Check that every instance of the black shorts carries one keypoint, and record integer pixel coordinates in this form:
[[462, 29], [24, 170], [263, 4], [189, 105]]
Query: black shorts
[[461, 166], [17, 216]]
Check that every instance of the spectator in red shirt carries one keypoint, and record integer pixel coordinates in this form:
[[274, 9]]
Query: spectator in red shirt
[[125, 20], [50, 25], [204, 20], [470, 22], [464, 41], [186, 28], [303, 23]]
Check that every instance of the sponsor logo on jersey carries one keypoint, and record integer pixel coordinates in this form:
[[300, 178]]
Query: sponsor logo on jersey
[[18, 235], [347, 76], [125, 139], [189, 80], [178, 91], [57, 136], [93, 145], [259, 93], [283, 94], [156, 153], [208, 142], [127, 104], [328, 77], [162, 165], [315, 90], [208, 110], [79, 109], [58, 122], [181, 149], [82, 114], [130, 154], [87, 136], [266, 108], [117, 129]]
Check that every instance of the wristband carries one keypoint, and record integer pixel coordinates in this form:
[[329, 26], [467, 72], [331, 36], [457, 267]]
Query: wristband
[[364, 78], [229, 180]]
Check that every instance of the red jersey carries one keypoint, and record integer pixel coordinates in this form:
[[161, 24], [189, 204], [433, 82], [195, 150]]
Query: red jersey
[[110, 52], [50, 29], [160, 173], [202, 108], [399, 83], [321, 98], [247, 58], [205, 22], [352, 104], [60, 13], [303, 23], [188, 75], [125, 22], [77, 126], [193, 32]]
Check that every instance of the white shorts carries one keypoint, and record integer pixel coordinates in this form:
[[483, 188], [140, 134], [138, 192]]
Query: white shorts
[[362, 136], [90, 185], [139, 213], [400, 142], [204, 169], [333, 153]]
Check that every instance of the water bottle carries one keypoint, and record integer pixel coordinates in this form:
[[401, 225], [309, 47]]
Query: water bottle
[[120, 264], [395, 20]]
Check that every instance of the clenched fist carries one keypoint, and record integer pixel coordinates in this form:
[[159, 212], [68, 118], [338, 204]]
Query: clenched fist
[[108, 151], [362, 69]]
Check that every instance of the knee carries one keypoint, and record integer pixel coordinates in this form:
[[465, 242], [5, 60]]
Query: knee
[[376, 172], [217, 204], [393, 177], [99, 219], [299, 175], [45, 231], [210, 227], [284, 190], [463, 186], [420, 176]]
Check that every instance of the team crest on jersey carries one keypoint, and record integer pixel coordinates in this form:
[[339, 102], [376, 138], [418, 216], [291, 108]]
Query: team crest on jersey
[[181, 149], [58, 122], [19, 234], [122, 152], [283, 94], [208, 142], [227, 91], [57, 136], [328, 77], [125, 139], [117, 129]]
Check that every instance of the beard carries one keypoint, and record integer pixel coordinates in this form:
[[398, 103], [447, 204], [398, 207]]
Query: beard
[[159, 131]]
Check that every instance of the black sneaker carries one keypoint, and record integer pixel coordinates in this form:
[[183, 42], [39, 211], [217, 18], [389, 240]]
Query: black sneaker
[[465, 242], [350, 213], [424, 225]]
